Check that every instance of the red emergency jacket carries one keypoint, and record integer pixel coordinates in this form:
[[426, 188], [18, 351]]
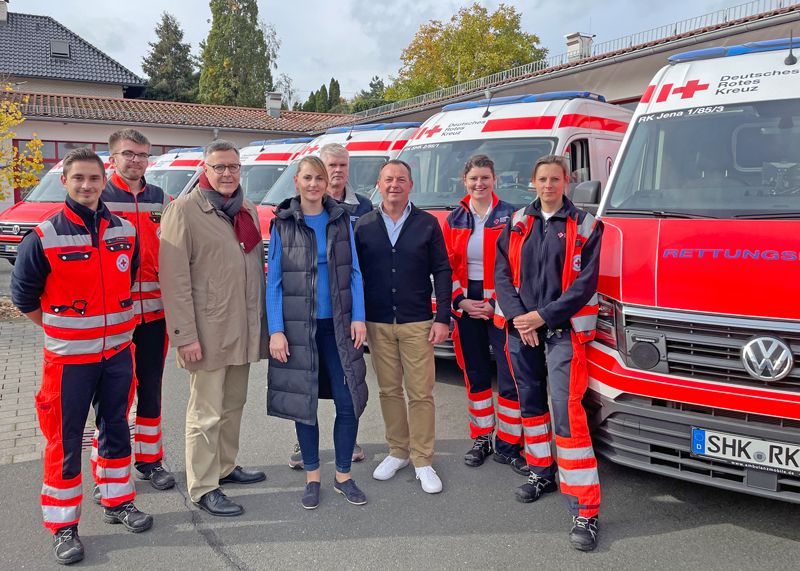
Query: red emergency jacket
[[144, 212], [457, 230], [87, 310], [579, 227]]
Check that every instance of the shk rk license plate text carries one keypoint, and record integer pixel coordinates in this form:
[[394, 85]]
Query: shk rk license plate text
[[779, 457]]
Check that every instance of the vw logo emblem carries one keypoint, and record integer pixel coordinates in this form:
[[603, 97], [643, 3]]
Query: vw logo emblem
[[767, 358], [15, 229]]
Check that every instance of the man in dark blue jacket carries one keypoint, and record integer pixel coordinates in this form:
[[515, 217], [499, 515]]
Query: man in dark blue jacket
[[400, 247]]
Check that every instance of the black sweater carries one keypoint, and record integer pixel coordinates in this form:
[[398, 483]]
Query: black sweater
[[397, 279]]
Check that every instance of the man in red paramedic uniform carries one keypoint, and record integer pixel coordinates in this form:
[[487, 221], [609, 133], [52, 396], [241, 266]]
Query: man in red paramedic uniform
[[73, 278], [129, 196]]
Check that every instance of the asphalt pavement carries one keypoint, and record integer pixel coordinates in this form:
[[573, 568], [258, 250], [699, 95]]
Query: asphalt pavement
[[647, 522]]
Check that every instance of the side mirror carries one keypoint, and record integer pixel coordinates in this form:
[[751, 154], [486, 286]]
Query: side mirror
[[587, 192]]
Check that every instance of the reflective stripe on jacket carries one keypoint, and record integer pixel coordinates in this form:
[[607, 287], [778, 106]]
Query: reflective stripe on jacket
[[578, 228], [144, 212], [87, 310], [458, 228]]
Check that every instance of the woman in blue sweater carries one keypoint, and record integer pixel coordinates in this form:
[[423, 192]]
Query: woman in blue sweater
[[315, 308]]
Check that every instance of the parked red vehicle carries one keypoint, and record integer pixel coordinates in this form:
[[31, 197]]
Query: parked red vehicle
[[40, 204], [695, 372]]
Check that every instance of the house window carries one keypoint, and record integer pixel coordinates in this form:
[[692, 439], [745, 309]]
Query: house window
[[59, 49]]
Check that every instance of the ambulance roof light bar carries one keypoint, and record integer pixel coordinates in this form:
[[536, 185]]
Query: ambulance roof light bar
[[184, 150], [375, 127], [748, 48], [531, 98], [281, 141]]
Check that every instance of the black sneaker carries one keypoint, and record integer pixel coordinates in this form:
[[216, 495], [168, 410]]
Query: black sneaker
[[96, 495], [296, 459], [310, 499], [533, 489], [583, 535], [520, 466], [350, 491], [129, 516], [501, 458], [67, 546], [481, 449], [160, 478]]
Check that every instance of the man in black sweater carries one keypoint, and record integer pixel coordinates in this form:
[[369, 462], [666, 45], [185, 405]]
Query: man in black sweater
[[399, 248]]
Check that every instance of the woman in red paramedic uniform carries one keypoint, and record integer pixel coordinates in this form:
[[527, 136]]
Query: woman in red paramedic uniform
[[546, 280], [470, 233]]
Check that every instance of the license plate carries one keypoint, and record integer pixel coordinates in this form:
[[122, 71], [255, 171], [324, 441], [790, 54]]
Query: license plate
[[12, 247], [747, 452]]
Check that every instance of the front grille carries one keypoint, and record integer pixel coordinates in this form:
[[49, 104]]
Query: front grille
[[655, 435], [7, 228], [713, 351]]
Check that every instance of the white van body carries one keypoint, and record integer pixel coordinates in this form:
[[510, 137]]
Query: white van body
[[369, 147], [263, 162], [514, 132], [177, 171]]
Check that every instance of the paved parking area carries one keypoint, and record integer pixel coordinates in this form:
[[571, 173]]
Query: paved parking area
[[20, 375]]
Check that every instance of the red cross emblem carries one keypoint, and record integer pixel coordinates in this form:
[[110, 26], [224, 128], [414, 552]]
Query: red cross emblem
[[686, 92], [309, 150], [433, 130], [691, 87]]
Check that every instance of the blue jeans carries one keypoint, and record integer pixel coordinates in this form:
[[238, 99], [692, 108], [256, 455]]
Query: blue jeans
[[345, 427]]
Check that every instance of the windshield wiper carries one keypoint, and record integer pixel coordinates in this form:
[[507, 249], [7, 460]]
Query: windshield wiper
[[772, 215], [658, 213]]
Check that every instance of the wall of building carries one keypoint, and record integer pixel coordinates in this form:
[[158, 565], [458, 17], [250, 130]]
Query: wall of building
[[35, 85]]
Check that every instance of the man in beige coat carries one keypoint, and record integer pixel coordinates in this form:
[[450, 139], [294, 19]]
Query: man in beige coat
[[212, 283]]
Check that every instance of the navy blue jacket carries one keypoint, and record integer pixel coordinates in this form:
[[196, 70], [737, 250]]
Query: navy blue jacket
[[357, 210], [397, 279], [543, 256], [32, 268]]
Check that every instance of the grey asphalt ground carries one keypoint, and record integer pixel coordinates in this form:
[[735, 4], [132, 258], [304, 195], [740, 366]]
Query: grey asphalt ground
[[648, 522]]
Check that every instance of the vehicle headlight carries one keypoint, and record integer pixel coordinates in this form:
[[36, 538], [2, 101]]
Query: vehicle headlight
[[609, 322]]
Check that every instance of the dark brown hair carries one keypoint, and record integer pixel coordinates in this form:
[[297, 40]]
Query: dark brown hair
[[478, 162], [126, 135], [82, 155], [396, 162]]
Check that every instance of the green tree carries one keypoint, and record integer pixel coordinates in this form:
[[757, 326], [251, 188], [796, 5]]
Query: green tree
[[334, 94], [322, 99], [473, 44], [375, 96], [169, 65], [236, 66]]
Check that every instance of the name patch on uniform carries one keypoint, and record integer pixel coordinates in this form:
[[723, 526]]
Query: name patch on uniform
[[123, 263]]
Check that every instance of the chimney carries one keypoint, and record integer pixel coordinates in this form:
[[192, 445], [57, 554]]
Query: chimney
[[274, 99], [579, 46], [3, 12]]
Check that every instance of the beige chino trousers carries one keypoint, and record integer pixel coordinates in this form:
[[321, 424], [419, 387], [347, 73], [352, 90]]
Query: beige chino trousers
[[403, 359], [213, 420]]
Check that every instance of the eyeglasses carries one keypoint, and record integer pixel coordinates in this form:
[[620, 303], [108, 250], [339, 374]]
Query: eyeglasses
[[219, 169], [130, 156]]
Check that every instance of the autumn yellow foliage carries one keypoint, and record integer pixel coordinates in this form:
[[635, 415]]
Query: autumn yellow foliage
[[17, 169]]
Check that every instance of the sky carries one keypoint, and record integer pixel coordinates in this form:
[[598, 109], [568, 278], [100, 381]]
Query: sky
[[351, 40]]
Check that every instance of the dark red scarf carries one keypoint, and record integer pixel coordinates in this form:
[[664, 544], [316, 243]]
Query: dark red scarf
[[246, 230]]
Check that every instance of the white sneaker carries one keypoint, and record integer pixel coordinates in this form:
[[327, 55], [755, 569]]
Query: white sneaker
[[389, 467], [429, 480]]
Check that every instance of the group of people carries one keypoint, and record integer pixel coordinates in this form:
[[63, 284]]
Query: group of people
[[121, 273]]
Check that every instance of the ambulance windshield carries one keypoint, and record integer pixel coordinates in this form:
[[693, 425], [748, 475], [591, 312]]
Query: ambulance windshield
[[49, 189], [438, 169], [171, 181], [258, 179], [363, 176], [727, 161]]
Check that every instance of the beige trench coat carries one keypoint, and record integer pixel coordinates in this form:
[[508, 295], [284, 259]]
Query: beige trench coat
[[213, 292]]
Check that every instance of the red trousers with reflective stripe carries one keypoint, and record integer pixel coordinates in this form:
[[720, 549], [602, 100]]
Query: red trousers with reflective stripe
[[62, 404], [557, 364]]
